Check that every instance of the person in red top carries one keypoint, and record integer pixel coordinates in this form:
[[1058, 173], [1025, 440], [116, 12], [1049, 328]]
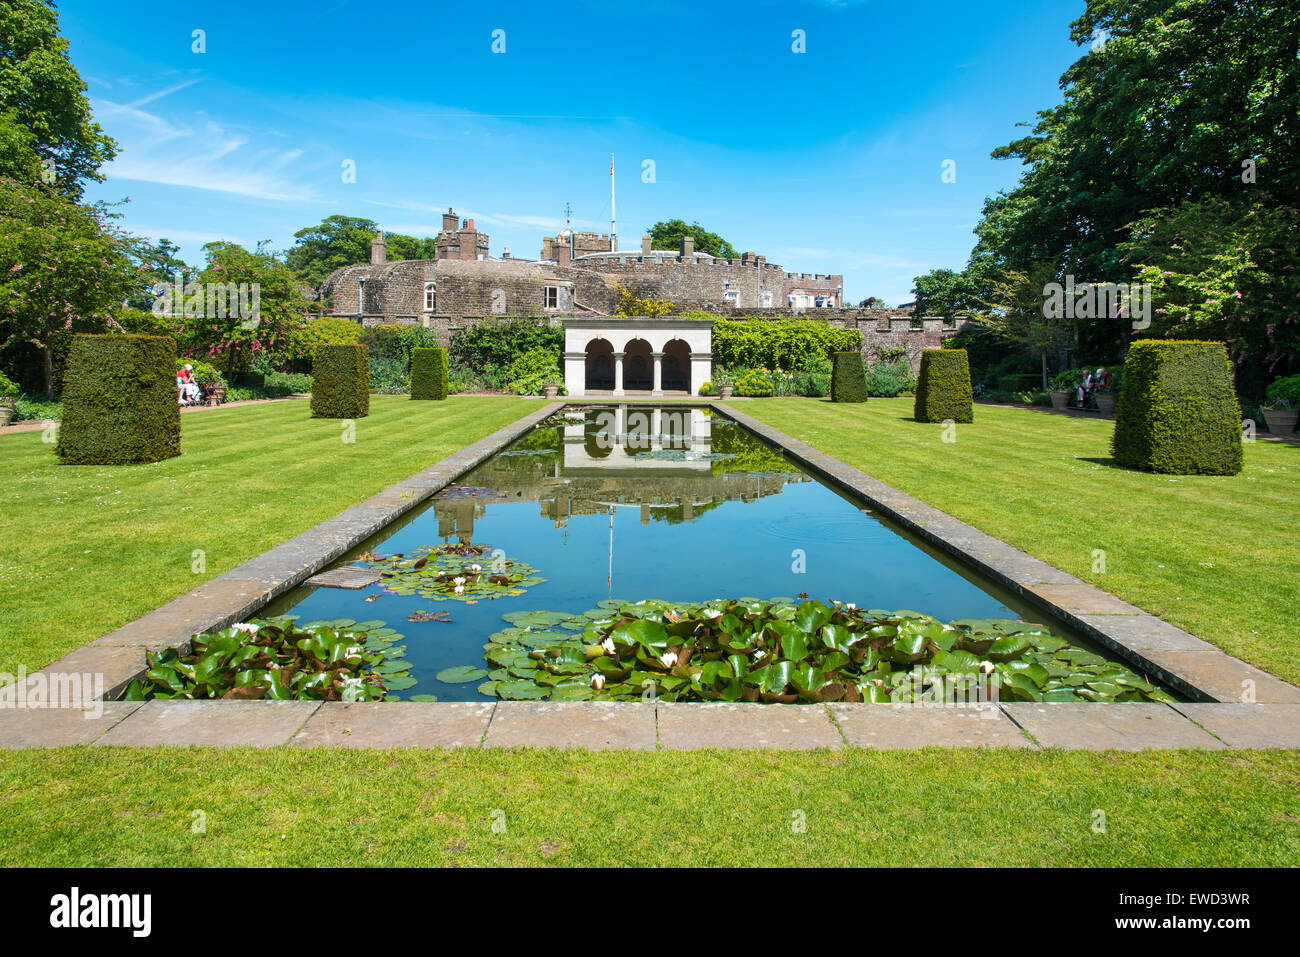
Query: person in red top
[[188, 388]]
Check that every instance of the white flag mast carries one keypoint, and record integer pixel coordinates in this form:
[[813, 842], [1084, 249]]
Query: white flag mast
[[613, 227]]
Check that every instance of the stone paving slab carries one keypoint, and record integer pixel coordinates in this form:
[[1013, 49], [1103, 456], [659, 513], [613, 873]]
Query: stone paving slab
[[1114, 726], [215, 604], [1028, 571], [259, 724], [594, 725], [686, 726], [1081, 599], [1248, 725], [1146, 633], [1221, 676], [396, 724], [887, 726], [59, 727], [80, 677]]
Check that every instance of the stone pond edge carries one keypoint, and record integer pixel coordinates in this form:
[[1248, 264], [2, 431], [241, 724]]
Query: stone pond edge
[[1195, 668]]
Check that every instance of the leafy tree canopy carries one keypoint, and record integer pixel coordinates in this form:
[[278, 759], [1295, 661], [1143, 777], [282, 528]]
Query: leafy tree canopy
[[339, 241], [942, 292], [46, 95], [668, 235], [63, 269]]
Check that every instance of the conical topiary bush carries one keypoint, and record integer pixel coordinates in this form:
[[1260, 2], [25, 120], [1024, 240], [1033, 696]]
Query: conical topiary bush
[[848, 378]]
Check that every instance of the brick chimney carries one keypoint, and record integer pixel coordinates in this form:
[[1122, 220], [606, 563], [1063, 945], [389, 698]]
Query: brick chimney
[[449, 221], [562, 254], [645, 244], [688, 247], [378, 250]]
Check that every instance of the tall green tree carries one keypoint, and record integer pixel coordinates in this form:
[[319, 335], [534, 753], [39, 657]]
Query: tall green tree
[[1014, 312], [63, 269], [339, 241], [1227, 271], [331, 244], [668, 235], [942, 292], [1185, 100], [46, 95]]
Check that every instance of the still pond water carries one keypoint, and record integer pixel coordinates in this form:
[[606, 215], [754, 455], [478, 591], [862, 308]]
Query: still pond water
[[633, 502]]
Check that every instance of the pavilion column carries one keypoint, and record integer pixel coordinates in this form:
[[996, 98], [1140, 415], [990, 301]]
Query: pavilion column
[[659, 373], [618, 373]]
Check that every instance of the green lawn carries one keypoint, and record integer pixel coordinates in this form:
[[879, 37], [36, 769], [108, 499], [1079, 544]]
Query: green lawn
[[87, 548], [1216, 556], [92, 806]]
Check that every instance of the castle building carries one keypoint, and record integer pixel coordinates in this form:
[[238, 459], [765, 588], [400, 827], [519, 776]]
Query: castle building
[[577, 273]]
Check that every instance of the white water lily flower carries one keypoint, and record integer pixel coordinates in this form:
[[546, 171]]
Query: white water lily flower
[[458, 581], [598, 681], [669, 659], [608, 645], [986, 667], [851, 607], [246, 628], [459, 589], [476, 568]]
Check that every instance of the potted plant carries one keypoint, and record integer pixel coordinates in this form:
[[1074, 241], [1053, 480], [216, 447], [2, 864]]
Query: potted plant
[[1282, 405], [1281, 415], [8, 400], [1060, 391], [550, 389], [724, 383]]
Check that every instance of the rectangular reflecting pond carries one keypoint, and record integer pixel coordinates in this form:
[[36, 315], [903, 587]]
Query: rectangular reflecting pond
[[626, 503]]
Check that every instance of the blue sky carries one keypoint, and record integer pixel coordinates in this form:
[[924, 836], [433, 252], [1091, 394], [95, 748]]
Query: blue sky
[[825, 161]]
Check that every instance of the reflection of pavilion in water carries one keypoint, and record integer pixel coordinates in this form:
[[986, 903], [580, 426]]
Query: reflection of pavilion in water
[[659, 460]]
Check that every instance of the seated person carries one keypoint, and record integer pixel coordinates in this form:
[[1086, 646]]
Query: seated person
[[190, 393]]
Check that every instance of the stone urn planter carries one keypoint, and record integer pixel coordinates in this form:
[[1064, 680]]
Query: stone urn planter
[[550, 390], [1106, 402], [724, 391], [1060, 401], [7, 413], [1281, 421], [217, 395]]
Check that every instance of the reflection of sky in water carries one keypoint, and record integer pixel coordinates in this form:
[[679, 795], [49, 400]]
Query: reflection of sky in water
[[690, 537]]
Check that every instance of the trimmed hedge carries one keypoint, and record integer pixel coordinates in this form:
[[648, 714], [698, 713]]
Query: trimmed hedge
[[429, 373], [848, 378], [785, 344], [119, 401], [1177, 411], [340, 382], [943, 389]]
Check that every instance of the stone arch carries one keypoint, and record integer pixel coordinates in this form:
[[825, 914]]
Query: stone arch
[[638, 366], [600, 365], [676, 370]]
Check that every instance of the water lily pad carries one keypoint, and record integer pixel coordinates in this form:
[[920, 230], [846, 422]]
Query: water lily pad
[[460, 674]]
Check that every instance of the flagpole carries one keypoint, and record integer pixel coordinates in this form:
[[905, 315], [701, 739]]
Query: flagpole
[[613, 227]]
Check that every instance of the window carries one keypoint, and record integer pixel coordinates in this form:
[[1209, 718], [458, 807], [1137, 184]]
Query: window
[[430, 296], [767, 300], [551, 300], [732, 296]]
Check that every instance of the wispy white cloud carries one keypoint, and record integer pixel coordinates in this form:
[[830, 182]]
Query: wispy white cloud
[[198, 155]]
